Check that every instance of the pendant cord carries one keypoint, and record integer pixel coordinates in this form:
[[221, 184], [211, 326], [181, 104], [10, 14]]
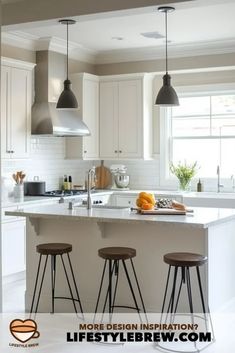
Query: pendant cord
[[166, 42], [67, 50]]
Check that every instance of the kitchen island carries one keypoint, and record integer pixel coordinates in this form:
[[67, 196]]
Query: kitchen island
[[208, 231]]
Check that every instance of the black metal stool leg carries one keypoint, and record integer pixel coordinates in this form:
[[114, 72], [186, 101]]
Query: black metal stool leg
[[116, 272], [75, 284], [172, 297], [202, 297], [101, 284], [110, 286], [180, 287], [131, 288], [36, 284], [40, 289], [138, 286], [70, 289], [165, 293], [189, 294], [53, 277], [107, 294]]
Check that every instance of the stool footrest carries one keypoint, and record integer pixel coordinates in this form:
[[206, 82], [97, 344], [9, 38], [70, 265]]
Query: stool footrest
[[125, 306], [76, 300]]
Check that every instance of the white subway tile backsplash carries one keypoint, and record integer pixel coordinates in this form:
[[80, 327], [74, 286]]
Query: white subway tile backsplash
[[47, 161]]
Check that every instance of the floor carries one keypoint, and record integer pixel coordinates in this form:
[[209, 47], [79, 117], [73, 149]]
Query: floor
[[13, 296]]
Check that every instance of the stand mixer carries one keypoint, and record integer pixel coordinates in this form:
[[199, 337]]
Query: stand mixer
[[120, 180]]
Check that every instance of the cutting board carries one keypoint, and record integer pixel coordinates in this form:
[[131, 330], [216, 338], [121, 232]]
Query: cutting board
[[162, 211], [103, 177]]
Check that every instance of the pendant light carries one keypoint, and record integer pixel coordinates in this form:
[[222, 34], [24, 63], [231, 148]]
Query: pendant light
[[67, 99], [167, 96]]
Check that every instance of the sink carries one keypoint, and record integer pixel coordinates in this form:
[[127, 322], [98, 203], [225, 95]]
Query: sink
[[106, 207], [109, 207]]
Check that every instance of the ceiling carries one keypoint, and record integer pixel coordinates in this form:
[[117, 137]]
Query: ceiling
[[192, 24]]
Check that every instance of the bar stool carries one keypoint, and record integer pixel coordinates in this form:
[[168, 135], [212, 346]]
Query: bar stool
[[184, 261], [113, 255], [53, 250]]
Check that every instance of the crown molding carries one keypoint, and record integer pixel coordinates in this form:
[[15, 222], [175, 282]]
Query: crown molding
[[78, 52], [17, 63], [19, 40], [30, 42], [174, 50]]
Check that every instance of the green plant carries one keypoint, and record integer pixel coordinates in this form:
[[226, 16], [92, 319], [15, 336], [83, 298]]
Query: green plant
[[184, 172]]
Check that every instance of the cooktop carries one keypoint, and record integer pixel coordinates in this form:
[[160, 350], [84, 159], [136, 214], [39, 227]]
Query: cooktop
[[64, 193]]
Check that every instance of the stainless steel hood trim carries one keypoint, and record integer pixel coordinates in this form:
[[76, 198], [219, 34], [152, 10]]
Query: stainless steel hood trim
[[47, 120]]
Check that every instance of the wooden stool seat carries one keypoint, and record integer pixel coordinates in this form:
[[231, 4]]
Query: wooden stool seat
[[184, 259], [54, 248], [53, 251], [182, 264], [117, 253]]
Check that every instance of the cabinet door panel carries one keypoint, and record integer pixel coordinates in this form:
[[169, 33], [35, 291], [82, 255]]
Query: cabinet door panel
[[130, 119], [20, 112], [91, 118], [13, 247], [109, 120], [5, 112]]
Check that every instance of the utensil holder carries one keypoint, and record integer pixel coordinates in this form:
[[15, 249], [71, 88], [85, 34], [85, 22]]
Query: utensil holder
[[18, 192]]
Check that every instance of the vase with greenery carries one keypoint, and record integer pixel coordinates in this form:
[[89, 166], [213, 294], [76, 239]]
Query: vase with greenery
[[184, 172]]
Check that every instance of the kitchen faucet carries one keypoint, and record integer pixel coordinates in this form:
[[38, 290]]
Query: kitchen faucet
[[218, 179], [89, 179]]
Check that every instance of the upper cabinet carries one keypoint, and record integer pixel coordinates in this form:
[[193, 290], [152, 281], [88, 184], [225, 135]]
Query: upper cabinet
[[126, 117], [16, 102], [86, 88]]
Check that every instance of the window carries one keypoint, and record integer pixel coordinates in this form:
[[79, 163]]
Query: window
[[202, 129]]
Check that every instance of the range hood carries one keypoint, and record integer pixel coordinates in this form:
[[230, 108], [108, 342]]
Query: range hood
[[46, 119]]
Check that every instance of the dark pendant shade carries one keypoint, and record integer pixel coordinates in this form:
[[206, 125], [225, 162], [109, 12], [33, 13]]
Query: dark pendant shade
[[167, 95], [67, 99]]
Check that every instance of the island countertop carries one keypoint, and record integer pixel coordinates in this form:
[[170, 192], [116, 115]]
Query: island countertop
[[200, 217]]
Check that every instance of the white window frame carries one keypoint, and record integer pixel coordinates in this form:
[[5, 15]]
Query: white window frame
[[166, 179]]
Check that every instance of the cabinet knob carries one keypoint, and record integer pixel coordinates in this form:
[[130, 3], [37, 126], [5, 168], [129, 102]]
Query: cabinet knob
[[12, 151], [116, 151], [85, 151], [8, 151], [120, 151]]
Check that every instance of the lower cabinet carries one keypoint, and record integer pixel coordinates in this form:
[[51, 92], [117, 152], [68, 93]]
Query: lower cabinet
[[124, 201], [13, 247]]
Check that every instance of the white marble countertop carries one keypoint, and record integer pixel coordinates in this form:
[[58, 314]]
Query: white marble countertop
[[201, 217], [45, 199], [169, 193]]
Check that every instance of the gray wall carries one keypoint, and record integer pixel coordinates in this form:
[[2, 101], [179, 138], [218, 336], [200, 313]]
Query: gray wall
[[18, 53], [183, 63]]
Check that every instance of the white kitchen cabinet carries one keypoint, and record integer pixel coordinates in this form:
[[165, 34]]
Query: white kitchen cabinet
[[13, 238], [126, 117], [124, 201], [13, 247], [86, 89], [16, 98]]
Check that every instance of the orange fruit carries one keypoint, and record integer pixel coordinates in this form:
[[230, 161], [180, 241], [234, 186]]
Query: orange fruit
[[148, 197], [140, 202], [147, 206]]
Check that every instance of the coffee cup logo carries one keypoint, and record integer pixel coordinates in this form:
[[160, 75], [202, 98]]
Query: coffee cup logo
[[24, 330]]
